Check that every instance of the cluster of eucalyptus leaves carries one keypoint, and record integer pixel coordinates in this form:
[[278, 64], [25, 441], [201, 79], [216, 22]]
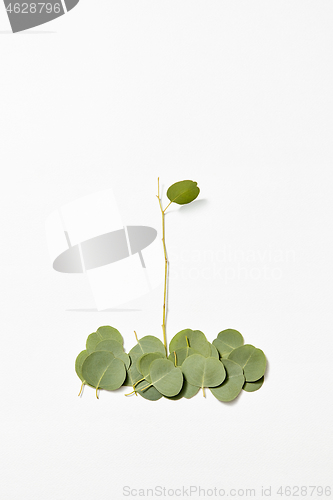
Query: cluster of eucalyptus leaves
[[226, 366]]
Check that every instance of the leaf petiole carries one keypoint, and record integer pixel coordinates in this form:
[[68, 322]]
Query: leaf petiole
[[147, 386], [130, 393], [83, 383]]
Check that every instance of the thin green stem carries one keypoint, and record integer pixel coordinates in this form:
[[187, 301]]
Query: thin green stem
[[165, 269]]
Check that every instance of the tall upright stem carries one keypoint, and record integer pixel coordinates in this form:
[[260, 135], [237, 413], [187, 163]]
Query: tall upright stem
[[165, 269]]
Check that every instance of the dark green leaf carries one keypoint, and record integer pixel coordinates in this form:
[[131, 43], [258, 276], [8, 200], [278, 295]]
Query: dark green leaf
[[183, 192]]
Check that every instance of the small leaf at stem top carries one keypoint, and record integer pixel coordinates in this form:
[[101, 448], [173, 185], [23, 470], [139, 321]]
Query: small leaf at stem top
[[183, 192]]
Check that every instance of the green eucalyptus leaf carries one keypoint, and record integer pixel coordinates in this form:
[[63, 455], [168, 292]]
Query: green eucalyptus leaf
[[227, 341], [253, 386], [145, 345], [144, 362], [116, 349], [152, 394], [251, 359], [103, 371], [183, 192], [103, 333], [181, 355], [133, 376], [191, 338], [165, 377], [233, 383], [214, 353], [203, 372], [187, 391], [79, 362]]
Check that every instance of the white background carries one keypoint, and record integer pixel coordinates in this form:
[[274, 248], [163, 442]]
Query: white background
[[237, 96]]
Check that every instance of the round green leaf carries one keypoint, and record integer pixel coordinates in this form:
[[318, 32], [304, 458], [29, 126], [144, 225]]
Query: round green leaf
[[165, 377], [145, 345], [187, 391], [191, 338], [151, 393], [253, 386], [233, 383], [117, 350], [227, 341], [203, 372], [144, 362], [103, 333], [79, 362], [251, 359], [181, 355], [214, 352], [103, 371], [183, 192], [133, 375]]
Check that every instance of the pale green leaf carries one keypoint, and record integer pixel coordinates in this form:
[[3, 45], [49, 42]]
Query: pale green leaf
[[214, 352], [133, 375], [191, 338], [144, 362], [103, 371], [152, 394], [165, 377], [181, 355], [233, 383], [145, 345], [79, 362], [103, 333], [253, 386], [251, 359], [203, 372], [227, 341], [116, 349], [187, 391]]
